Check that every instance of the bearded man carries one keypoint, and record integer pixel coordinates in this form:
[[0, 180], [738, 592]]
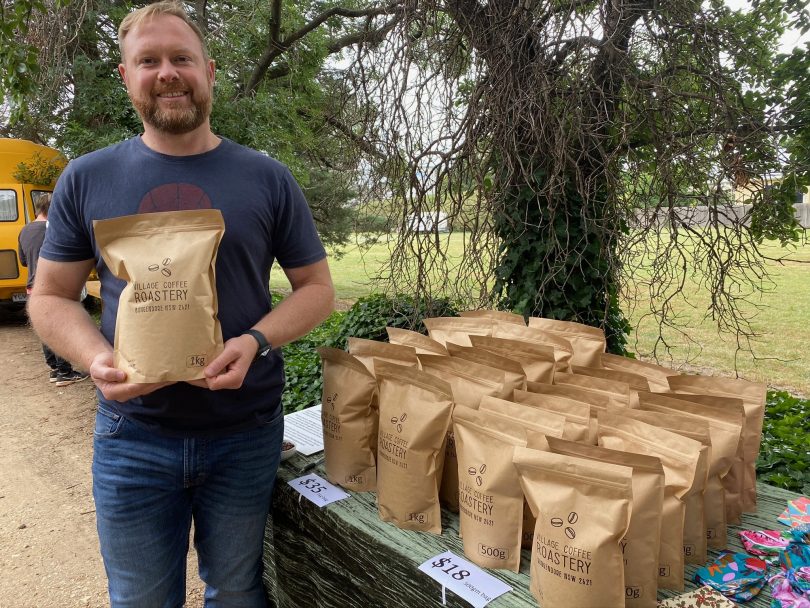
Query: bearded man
[[165, 455]]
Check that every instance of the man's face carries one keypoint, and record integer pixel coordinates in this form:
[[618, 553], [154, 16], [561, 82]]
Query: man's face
[[168, 79]]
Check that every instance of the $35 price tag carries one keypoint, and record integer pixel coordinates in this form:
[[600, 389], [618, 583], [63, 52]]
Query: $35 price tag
[[464, 579], [317, 490]]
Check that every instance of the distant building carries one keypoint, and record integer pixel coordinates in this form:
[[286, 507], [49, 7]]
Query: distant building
[[428, 222]]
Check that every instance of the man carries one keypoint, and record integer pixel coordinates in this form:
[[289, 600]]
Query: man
[[29, 242], [165, 455]]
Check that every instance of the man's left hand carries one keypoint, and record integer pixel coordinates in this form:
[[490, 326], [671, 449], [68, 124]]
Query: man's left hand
[[229, 368]]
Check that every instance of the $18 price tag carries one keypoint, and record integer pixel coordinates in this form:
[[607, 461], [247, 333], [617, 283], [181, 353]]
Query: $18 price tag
[[464, 579], [318, 490]]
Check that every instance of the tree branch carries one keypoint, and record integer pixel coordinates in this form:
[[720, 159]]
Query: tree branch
[[277, 47]]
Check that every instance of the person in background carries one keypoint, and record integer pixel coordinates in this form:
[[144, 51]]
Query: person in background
[[166, 455], [28, 245]]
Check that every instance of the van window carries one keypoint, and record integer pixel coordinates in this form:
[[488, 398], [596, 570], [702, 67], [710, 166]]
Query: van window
[[8, 206]]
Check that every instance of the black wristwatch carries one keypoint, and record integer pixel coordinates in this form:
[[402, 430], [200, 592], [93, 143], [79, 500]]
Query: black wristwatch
[[264, 346]]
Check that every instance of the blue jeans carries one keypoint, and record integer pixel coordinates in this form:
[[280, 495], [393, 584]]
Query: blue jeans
[[148, 488]]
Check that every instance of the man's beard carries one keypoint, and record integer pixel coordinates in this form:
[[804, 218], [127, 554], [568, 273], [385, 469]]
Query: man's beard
[[175, 121]]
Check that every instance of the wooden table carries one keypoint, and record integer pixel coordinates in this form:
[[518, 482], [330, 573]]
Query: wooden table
[[343, 556]]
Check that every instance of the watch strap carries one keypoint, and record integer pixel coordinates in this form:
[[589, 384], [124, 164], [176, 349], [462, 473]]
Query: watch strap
[[264, 346]]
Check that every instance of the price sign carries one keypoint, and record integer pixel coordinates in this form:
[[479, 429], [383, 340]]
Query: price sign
[[464, 579], [318, 490]]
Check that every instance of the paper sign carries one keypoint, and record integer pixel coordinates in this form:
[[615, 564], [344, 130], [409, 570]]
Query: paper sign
[[304, 429], [464, 579], [317, 489]]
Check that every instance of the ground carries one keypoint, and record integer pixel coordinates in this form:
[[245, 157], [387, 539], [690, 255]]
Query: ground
[[49, 552]]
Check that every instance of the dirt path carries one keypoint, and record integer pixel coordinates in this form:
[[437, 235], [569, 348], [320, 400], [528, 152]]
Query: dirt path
[[49, 553]]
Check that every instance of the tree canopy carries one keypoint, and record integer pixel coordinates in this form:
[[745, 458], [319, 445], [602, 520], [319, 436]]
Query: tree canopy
[[563, 138]]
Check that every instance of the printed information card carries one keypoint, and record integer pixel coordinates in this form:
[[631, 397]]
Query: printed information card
[[465, 579], [316, 489], [305, 430]]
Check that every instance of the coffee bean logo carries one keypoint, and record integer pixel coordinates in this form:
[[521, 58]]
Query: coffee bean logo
[[479, 481], [166, 272], [167, 261], [570, 532], [154, 267], [397, 422], [572, 518]]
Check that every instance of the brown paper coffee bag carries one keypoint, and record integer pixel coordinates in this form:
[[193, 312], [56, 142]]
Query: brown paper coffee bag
[[734, 480], [367, 350], [514, 376], [166, 328], [583, 512], [753, 395], [501, 316], [423, 344], [620, 393], [725, 436], [469, 382], [415, 411], [349, 419], [679, 457], [587, 342], [490, 498], [695, 543], [457, 329], [656, 375], [563, 351], [533, 419], [577, 414], [636, 382], [537, 360], [641, 545], [597, 401]]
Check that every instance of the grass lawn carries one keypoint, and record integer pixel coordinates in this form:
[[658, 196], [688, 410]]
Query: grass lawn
[[779, 357]]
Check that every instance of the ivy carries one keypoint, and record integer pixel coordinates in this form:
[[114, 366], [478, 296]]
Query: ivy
[[784, 456]]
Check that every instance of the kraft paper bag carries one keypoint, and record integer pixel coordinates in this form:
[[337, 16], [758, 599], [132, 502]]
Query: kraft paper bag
[[620, 393], [367, 350], [587, 342], [537, 360], [636, 382], [656, 375], [501, 316], [469, 383], [166, 329], [753, 395], [735, 478], [679, 456], [582, 508], [423, 344], [725, 437], [457, 329], [695, 543], [577, 415], [514, 376], [349, 417], [490, 498], [563, 351], [641, 545], [415, 415]]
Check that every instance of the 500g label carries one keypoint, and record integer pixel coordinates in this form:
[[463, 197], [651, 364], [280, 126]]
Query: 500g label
[[494, 552]]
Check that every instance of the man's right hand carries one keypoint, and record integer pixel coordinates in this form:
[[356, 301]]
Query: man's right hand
[[112, 383]]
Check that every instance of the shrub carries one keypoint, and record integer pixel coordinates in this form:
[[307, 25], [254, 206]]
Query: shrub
[[784, 458], [366, 319]]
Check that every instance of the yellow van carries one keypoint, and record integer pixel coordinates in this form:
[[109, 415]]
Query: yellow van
[[26, 170]]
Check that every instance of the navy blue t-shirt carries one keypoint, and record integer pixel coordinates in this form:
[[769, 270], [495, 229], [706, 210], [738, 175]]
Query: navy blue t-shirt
[[266, 219]]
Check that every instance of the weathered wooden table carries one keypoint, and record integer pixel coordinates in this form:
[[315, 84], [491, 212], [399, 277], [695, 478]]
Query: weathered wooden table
[[343, 556]]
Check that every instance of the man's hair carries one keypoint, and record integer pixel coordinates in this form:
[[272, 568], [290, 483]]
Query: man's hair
[[42, 203], [157, 9]]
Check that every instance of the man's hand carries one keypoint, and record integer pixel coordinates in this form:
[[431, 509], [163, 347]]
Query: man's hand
[[112, 383], [229, 368]]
